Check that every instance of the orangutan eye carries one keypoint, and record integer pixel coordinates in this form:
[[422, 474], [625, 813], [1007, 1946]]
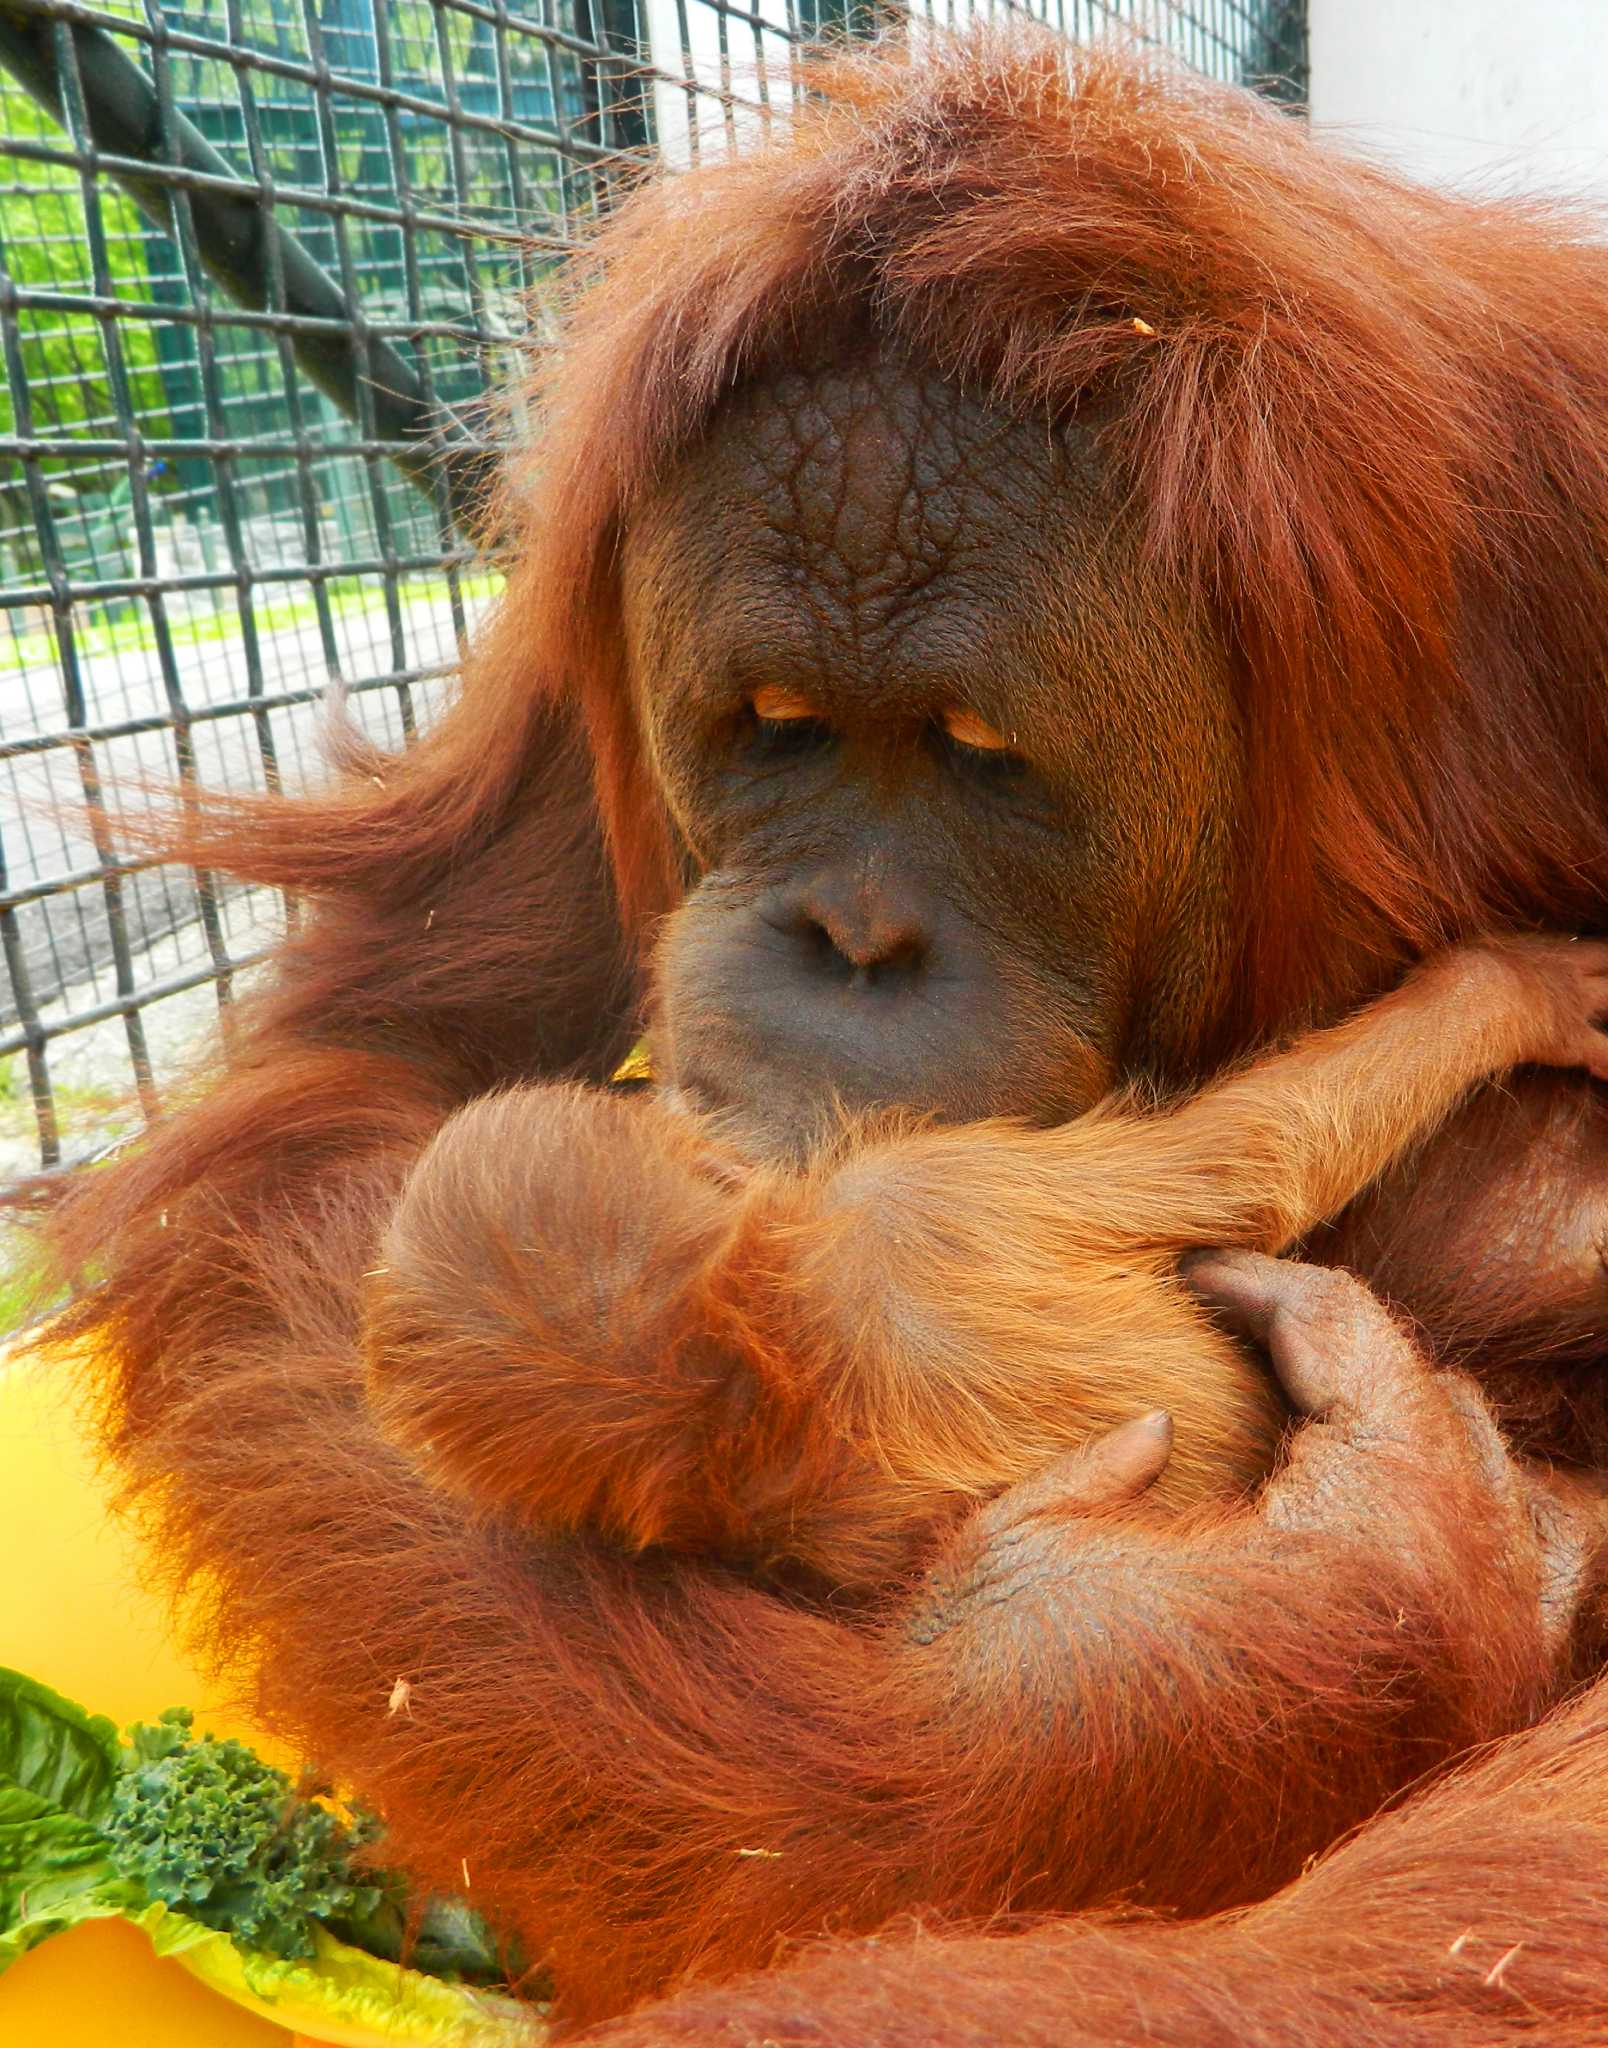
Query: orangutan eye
[[786, 721], [978, 750], [772, 705], [966, 729]]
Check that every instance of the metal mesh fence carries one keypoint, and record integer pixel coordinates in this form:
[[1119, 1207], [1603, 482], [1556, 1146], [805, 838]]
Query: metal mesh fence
[[259, 262]]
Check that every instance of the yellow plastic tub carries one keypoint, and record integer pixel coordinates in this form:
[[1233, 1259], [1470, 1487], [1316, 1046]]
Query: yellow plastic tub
[[77, 1618]]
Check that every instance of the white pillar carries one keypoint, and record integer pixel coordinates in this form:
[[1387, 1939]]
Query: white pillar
[[1491, 95]]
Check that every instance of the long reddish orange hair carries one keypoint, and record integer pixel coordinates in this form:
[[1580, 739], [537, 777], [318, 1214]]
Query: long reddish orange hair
[[1365, 426]]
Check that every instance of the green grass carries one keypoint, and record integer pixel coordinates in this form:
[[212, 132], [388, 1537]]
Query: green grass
[[18, 1299], [21, 1296], [349, 596], [16, 1098]]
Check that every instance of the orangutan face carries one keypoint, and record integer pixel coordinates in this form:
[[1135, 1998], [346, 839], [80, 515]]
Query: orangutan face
[[952, 771]]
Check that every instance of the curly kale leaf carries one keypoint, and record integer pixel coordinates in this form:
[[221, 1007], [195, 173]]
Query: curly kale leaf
[[212, 1831]]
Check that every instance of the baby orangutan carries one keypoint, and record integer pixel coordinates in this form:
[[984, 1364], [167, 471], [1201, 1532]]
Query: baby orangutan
[[589, 1314]]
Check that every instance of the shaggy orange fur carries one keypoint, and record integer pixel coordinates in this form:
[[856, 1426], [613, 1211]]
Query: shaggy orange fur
[[1360, 436], [586, 1314]]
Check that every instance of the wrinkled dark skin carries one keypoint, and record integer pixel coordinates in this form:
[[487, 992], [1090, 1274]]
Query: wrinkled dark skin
[[882, 916]]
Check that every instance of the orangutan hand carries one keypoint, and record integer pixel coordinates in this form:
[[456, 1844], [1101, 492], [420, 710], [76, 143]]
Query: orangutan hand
[[1465, 1576], [1380, 1414]]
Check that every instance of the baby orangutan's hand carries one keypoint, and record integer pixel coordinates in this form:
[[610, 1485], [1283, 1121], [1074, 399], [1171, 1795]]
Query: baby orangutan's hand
[[1560, 984]]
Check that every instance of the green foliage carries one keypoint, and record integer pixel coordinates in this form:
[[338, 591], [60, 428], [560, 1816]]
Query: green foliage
[[240, 1877], [210, 1829], [44, 245], [57, 1768]]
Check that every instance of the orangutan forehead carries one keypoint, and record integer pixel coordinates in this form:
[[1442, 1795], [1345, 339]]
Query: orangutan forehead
[[867, 524], [882, 474]]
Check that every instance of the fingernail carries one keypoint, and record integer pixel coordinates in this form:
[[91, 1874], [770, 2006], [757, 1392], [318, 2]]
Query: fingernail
[[1158, 1422]]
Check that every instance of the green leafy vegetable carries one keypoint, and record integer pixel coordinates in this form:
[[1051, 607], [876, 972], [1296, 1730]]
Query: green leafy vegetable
[[66, 1758], [342, 1995], [57, 1767], [244, 1879], [208, 1828], [446, 1937]]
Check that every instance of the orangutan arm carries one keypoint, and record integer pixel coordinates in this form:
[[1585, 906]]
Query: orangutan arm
[[587, 1315], [663, 1770], [1267, 1154]]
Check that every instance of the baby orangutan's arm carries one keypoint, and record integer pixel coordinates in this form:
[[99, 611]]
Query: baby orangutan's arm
[[587, 1315], [1263, 1157]]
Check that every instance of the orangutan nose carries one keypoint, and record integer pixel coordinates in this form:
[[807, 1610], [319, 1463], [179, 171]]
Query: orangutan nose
[[856, 934]]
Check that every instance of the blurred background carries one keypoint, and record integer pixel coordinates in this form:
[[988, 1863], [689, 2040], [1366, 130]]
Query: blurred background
[[261, 261]]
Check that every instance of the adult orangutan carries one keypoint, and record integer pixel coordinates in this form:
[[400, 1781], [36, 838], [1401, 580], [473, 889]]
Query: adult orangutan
[[1040, 578]]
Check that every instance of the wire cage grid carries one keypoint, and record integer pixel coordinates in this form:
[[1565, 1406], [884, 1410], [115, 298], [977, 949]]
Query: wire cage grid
[[261, 261]]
